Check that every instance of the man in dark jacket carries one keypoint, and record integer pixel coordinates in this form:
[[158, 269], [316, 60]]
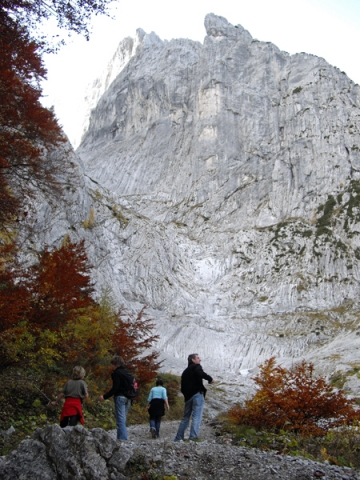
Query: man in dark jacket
[[122, 404], [194, 394]]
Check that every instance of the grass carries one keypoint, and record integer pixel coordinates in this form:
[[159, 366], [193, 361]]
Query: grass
[[338, 447], [338, 380]]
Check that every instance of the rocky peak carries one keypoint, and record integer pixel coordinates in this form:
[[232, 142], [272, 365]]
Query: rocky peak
[[126, 50], [219, 27]]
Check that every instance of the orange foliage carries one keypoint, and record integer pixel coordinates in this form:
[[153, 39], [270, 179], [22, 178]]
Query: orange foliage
[[48, 317], [131, 338], [294, 400], [41, 300], [59, 285]]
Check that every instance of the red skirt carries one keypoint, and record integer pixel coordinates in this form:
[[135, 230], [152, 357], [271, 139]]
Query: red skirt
[[72, 406]]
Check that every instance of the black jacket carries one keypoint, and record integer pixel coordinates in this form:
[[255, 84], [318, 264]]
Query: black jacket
[[119, 383], [191, 381], [157, 407]]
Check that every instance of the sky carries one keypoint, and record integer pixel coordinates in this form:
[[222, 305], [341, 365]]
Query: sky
[[326, 28]]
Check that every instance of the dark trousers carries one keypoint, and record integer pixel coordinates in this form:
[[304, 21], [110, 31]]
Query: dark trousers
[[69, 421]]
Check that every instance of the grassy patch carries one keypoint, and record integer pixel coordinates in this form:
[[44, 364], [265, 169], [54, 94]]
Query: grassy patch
[[325, 220], [338, 447], [338, 380], [297, 90]]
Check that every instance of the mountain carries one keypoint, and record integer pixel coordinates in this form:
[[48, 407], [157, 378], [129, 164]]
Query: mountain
[[219, 184]]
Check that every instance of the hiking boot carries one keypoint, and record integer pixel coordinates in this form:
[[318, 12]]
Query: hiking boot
[[153, 432]]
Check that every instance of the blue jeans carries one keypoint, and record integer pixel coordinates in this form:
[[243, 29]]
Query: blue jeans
[[155, 422], [122, 405], [194, 409]]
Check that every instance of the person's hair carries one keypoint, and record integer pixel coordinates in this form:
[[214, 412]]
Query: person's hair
[[117, 361], [159, 382], [191, 357], [78, 373]]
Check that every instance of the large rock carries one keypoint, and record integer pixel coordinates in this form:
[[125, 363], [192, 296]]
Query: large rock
[[67, 454]]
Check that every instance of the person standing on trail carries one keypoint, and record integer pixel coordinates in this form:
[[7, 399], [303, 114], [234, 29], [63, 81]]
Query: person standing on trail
[[194, 394], [74, 391], [157, 400], [122, 403]]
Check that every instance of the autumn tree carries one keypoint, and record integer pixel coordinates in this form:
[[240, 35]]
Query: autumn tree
[[36, 304], [27, 129], [131, 339], [59, 285], [89, 337], [294, 400], [50, 318]]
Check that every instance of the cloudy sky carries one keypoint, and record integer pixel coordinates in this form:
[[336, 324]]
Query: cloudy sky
[[326, 28]]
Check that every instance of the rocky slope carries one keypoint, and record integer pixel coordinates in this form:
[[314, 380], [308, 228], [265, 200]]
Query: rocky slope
[[219, 184], [76, 453]]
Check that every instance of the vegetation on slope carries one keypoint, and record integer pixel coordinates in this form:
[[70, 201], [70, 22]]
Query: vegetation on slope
[[295, 411]]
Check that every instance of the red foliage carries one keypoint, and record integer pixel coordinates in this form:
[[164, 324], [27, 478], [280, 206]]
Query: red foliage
[[131, 338], [294, 400], [53, 296], [59, 285], [27, 129]]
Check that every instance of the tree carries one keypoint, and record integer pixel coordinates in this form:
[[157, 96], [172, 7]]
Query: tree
[[14, 296], [59, 285], [294, 400], [72, 16], [27, 129], [89, 336], [37, 304], [133, 337]]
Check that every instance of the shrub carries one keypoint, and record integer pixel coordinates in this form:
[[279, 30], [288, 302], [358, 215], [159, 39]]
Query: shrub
[[295, 400]]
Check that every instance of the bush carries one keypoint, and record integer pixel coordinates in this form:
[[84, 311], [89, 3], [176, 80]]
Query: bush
[[341, 446], [295, 400]]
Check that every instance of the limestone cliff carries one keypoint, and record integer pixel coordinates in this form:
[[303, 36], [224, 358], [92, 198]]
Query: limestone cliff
[[224, 179]]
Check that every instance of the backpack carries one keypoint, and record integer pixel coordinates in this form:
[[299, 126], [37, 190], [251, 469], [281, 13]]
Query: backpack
[[131, 389]]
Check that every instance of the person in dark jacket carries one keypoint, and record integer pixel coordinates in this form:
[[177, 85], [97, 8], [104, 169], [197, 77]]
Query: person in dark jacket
[[194, 394], [122, 404]]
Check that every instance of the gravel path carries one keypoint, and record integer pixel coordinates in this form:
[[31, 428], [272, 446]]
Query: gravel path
[[214, 457]]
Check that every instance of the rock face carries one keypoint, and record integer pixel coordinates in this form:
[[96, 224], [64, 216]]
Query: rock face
[[71, 453], [223, 180]]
